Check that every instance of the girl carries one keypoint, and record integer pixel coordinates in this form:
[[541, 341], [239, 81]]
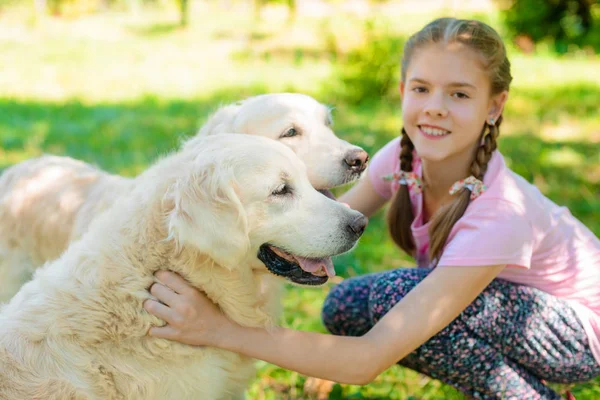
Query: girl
[[507, 289]]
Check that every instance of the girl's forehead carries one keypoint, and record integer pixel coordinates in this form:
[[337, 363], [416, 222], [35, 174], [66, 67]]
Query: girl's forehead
[[453, 62]]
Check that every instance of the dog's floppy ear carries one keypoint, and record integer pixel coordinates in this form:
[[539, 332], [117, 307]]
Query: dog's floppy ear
[[205, 212]]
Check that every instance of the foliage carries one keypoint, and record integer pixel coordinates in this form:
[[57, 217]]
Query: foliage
[[566, 23], [370, 70]]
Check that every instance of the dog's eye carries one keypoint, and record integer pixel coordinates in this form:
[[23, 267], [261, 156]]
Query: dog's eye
[[290, 133], [282, 190]]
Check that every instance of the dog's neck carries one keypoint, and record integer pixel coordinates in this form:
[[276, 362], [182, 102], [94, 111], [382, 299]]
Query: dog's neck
[[140, 247], [245, 296]]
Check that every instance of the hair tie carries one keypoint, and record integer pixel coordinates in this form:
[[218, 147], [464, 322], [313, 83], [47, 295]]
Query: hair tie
[[410, 179], [473, 184]]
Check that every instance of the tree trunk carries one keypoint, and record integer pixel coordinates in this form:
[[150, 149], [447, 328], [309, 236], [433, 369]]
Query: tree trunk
[[184, 11]]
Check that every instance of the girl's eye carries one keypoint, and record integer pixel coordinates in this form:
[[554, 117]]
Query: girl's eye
[[282, 190], [419, 89], [461, 95], [290, 133]]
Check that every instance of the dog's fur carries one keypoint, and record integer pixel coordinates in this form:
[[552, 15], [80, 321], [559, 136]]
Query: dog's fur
[[78, 330], [48, 202]]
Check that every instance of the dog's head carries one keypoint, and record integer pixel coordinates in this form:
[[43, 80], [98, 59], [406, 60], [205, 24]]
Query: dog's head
[[242, 199], [301, 123]]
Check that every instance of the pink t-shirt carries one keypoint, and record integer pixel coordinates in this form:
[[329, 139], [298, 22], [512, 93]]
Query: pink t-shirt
[[512, 223]]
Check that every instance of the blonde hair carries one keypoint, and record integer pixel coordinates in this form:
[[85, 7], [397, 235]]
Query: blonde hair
[[484, 40]]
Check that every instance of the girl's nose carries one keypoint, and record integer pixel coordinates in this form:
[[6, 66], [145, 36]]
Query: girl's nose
[[436, 107]]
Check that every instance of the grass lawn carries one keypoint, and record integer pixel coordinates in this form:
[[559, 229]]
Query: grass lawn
[[120, 89]]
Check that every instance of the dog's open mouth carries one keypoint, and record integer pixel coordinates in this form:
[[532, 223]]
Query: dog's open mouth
[[301, 270], [327, 193]]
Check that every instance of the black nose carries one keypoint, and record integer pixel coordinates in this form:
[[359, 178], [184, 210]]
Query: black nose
[[357, 160], [358, 225]]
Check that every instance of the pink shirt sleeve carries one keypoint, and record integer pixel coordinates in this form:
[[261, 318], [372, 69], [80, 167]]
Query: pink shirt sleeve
[[384, 162], [490, 233]]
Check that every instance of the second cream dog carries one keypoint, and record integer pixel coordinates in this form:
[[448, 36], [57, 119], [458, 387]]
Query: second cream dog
[[48, 202]]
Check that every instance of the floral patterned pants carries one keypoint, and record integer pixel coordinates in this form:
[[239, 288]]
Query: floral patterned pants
[[500, 347]]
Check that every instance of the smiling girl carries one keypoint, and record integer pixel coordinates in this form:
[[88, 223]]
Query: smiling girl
[[507, 289]]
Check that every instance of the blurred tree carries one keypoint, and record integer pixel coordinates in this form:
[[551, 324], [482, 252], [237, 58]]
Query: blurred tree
[[183, 12], [291, 5], [369, 71], [562, 22]]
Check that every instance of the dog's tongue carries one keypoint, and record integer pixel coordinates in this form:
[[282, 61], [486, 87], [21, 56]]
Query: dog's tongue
[[313, 265]]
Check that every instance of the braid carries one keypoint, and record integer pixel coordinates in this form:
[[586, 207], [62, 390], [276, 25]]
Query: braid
[[484, 152], [406, 152], [446, 217], [400, 214]]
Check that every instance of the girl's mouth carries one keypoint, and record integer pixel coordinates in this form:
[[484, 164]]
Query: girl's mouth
[[433, 133]]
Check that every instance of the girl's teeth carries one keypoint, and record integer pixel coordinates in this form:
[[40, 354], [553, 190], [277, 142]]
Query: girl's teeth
[[433, 131]]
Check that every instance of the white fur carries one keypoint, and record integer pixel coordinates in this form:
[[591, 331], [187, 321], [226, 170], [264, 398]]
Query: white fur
[[48, 202], [78, 329]]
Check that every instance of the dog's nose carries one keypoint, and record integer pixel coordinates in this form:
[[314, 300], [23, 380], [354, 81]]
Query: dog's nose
[[357, 160], [358, 225]]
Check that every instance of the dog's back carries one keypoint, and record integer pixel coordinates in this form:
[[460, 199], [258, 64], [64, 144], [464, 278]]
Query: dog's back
[[78, 331], [40, 212]]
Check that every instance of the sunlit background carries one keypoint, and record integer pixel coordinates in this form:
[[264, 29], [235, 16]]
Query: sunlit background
[[119, 82]]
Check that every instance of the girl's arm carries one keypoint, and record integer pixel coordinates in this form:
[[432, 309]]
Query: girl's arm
[[423, 312], [363, 197]]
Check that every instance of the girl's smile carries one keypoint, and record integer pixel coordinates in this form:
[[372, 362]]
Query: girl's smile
[[433, 132]]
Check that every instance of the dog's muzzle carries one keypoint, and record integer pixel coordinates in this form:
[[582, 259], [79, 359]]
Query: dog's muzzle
[[287, 269]]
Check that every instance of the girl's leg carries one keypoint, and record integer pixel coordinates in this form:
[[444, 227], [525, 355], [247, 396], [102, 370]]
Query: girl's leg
[[499, 347], [346, 310]]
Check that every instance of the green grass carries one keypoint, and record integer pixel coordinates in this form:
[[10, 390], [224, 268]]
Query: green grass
[[118, 90]]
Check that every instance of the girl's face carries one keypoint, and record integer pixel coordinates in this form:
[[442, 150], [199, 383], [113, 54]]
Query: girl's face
[[446, 100]]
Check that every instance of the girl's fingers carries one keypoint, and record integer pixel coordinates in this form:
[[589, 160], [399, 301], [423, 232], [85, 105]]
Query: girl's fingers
[[172, 281], [163, 293], [165, 332], [159, 310]]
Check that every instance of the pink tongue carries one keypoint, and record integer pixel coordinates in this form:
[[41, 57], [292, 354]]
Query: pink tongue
[[314, 264]]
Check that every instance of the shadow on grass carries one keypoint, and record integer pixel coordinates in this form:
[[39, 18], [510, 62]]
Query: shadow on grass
[[549, 104], [121, 138]]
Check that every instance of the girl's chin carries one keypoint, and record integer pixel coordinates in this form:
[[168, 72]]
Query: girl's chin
[[434, 158], [432, 153]]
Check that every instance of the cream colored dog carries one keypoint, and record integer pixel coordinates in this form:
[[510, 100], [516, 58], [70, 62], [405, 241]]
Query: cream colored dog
[[211, 212], [48, 202]]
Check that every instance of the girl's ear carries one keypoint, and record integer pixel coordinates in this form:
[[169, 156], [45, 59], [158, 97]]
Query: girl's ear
[[401, 88], [497, 103]]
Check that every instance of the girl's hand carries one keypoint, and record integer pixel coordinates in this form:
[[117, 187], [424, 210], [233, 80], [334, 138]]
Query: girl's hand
[[190, 316]]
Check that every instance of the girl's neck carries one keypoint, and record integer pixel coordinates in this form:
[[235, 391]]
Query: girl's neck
[[438, 177]]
